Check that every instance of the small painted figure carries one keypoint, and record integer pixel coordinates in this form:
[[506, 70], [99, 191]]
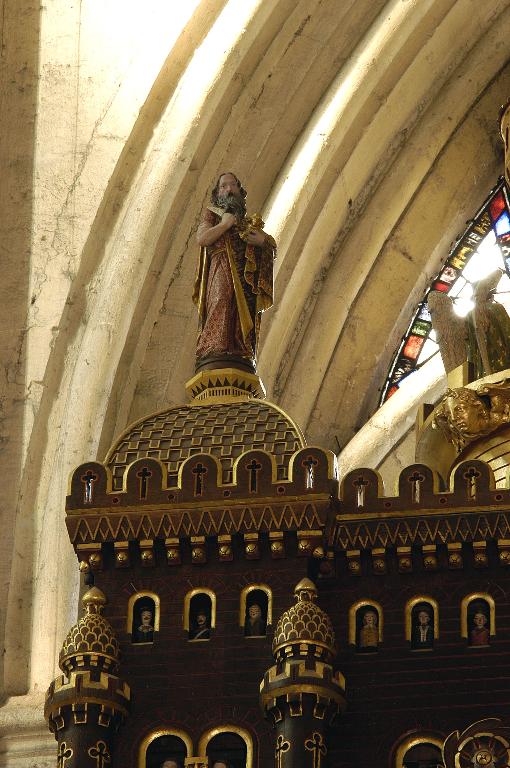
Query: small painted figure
[[369, 631], [234, 281], [201, 629], [422, 635], [143, 621], [170, 764], [479, 633], [255, 624], [145, 632]]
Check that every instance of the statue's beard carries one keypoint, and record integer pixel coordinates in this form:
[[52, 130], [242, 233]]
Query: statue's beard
[[232, 204]]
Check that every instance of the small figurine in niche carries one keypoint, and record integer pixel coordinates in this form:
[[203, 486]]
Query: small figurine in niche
[[479, 623], [199, 618], [144, 612], [255, 625], [422, 635], [367, 619], [170, 764], [201, 629], [255, 618]]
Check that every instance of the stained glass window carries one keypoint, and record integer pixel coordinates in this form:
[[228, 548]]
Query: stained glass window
[[484, 247]]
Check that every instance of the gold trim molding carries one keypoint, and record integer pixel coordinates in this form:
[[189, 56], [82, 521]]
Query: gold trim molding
[[409, 610], [464, 611], [229, 728], [187, 603], [147, 741], [413, 741], [131, 605], [352, 618], [244, 594]]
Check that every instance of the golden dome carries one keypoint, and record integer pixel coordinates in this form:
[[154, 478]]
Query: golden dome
[[305, 622], [91, 636], [225, 430]]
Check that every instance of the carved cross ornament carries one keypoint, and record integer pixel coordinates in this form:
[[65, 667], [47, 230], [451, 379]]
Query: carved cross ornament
[[88, 480], [316, 745], [64, 754], [282, 746], [100, 753]]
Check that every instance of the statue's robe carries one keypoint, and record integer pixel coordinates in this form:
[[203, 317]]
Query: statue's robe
[[233, 286]]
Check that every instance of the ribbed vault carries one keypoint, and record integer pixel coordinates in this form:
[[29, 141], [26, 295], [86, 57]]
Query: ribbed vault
[[356, 135], [366, 133]]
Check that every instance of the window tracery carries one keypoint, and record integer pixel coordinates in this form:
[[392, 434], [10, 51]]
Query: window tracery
[[484, 247]]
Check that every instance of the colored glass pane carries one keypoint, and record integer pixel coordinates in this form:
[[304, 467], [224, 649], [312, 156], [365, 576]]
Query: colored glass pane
[[412, 347], [448, 275], [483, 247], [497, 206], [420, 328], [502, 226]]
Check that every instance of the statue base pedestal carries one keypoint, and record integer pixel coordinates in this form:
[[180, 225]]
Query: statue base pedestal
[[224, 385], [223, 361]]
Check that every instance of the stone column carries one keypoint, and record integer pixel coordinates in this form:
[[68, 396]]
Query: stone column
[[85, 706], [301, 694]]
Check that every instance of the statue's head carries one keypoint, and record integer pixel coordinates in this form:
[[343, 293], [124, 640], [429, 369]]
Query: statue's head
[[146, 616], [370, 619], [462, 416], [229, 193]]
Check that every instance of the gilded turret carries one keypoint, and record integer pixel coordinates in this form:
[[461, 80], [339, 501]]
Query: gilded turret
[[85, 706], [91, 641], [302, 694]]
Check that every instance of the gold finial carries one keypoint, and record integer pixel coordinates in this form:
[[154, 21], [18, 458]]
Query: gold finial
[[93, 600], [306, 591]]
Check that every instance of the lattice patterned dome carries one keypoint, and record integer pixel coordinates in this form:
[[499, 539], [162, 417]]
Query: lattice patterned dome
[[91, 636], [225, 430], [304, 622]]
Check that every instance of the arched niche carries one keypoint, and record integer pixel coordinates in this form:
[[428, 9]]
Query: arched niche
[[228, 744], [255, 623], [165, 745], [478, 619], [139, 605], [419, 751], [422, 622], [198, 603], [366, 625]]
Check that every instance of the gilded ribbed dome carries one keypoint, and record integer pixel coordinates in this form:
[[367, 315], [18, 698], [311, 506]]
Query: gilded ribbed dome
[[91, 636], [304, 622], [225, 430]]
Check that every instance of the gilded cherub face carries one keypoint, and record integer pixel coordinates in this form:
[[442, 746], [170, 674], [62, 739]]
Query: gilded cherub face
[[470, 414]]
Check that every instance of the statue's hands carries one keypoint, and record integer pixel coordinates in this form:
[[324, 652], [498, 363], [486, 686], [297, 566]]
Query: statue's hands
[[228, 220], [255, 237]]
